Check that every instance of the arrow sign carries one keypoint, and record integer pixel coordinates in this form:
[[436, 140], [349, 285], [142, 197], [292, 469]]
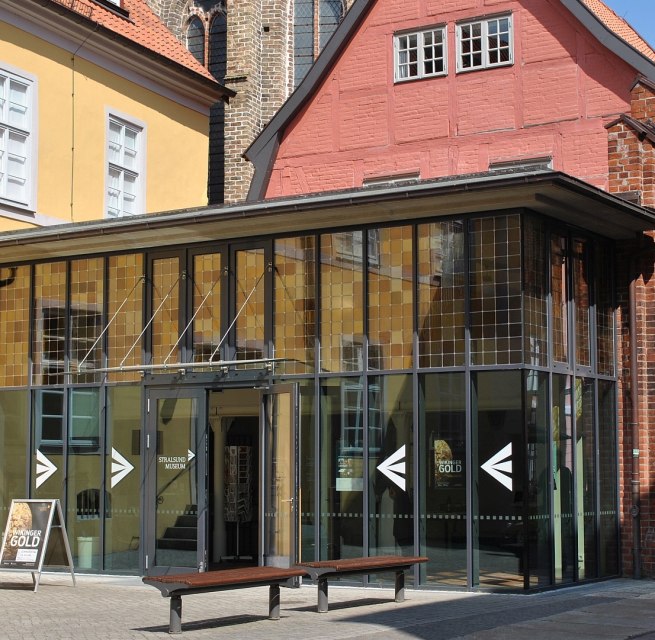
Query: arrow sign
[[44, 468], [497, 466], [391, 467], [190, 455], [120, 467]]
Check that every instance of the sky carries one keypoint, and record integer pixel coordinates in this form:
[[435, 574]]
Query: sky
[[639, 13]]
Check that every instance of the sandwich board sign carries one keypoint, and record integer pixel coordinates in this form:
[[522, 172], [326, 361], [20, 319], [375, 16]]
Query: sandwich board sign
[[35, 536]]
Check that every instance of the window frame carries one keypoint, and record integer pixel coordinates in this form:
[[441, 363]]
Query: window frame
[[29, 131], [420, 49], [484, 37], [138, 170]]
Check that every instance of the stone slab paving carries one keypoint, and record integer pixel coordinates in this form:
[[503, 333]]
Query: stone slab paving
[[115, 608]]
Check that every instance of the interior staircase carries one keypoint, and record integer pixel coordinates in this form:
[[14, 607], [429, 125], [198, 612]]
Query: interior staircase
[[183, 535]]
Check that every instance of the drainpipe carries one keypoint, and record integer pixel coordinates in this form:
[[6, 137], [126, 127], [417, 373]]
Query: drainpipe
[[635, 511]]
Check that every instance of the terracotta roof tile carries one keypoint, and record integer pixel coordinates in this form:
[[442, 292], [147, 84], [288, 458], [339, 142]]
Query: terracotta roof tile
[[620, 27], [142, 26]]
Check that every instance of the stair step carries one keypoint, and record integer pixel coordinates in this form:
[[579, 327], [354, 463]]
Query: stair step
[[182, 533], [186, 521], [177, 544]]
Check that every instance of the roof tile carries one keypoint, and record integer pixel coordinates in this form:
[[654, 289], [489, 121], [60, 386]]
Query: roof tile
[[142, 26], [620, 27]]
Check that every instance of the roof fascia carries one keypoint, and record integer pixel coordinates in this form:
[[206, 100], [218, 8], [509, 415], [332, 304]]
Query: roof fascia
[[109, 50], [611, 40], [264, 148]]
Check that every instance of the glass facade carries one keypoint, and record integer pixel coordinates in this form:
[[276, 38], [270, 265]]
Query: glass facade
[[456, 385]]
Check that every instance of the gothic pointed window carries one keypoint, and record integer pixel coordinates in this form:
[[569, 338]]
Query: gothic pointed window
[[195, 39]]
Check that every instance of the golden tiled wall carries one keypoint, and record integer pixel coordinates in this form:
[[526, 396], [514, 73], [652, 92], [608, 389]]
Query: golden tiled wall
[[207, 276], [14, 325]]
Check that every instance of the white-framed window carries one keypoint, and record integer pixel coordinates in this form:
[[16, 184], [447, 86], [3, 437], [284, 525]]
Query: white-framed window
[[421, 54], [482, 44], [124, 168], [17, 130]]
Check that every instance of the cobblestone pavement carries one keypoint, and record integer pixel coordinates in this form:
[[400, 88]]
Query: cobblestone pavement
[[113, 608]]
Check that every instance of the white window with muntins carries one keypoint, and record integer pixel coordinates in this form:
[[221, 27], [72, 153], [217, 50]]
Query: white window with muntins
[[482, 44], [124, 195], [421, 54], [17, 126]]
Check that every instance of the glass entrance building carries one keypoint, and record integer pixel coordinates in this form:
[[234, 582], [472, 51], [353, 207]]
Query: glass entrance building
[[415, 370]]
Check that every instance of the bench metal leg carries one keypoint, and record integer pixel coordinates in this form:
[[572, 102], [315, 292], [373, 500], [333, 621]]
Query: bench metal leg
[[400, 586], [322, 595], [175, 624], [274, 601]]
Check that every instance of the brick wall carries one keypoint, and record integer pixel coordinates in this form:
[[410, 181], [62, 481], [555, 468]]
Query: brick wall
[[631, 173]]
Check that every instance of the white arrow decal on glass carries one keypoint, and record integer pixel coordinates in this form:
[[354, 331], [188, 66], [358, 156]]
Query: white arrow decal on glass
[[391, 467], [120, 467], [190, 455], [497, 466], [44, 468]]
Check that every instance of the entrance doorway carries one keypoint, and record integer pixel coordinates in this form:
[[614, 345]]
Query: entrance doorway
[[221, 478]]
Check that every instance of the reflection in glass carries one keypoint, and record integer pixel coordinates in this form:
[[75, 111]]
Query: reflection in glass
[[176, 509], [123, 491], [342, 468], [86, 504], [14, 443], [14, 325], [559, 294], [562, 419], [538, 466], [442, 479], [165, 310], [604, 311], [308, 470], [391, 495], [495, 290], [585, 489], [206, 324], [441, 294], [535, 300], [250, 302], [295, 303], [498, 479], [125, 313], [342, 302], [607, 488], [580, 261], [390, 298]]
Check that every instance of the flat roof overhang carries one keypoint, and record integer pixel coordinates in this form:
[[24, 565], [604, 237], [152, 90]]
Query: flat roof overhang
[[553, 194]]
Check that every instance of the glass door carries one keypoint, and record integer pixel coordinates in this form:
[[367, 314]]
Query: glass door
[[280, 477], [176, 495]]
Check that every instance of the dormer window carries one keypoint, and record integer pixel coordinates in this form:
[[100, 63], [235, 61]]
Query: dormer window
[[420, 54], [482, 44]]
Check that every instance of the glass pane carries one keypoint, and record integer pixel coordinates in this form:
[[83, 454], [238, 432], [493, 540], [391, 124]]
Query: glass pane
[[390, 463], [165, 309], [563, 479], [250, 303], [607, 489], [48, 432], [218, 46], [342, 302], [195, 39], [49, 323], [14, 448], [582, 303], [496, 290], [538, 486], [115, 144], [441, 294], [390, 298], [14, 326], [123, 471], [342, 468], [85, 318], [585, 488], [308, 470], [559, 295], [605, 311], [279, 482], [86, 503], [176, 509], [498, 480], [295, 303], [535, 293], [207, 274], [442, 500], [18, 104], [303, 38], [330, 14], [125, 313]]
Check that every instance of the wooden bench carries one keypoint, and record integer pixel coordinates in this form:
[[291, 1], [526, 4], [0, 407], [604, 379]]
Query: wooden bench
[[325, 569], [177, 585]]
